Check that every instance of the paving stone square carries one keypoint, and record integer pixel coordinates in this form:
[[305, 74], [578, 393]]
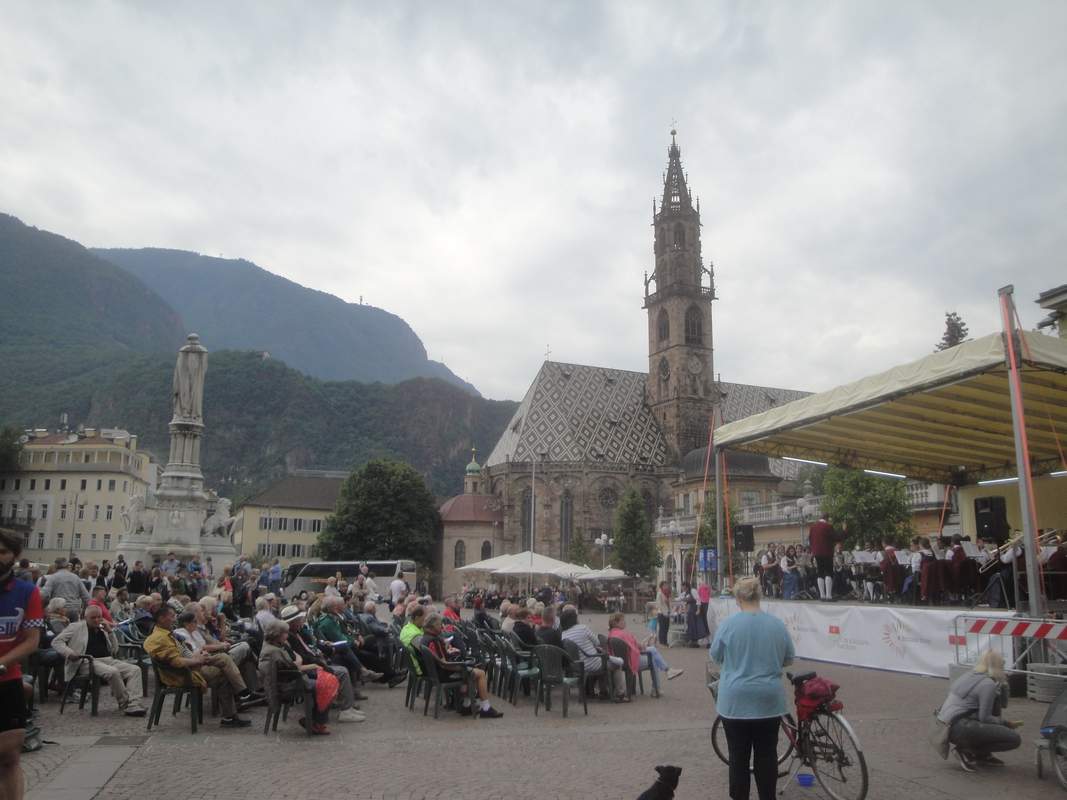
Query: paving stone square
[[609, 754]]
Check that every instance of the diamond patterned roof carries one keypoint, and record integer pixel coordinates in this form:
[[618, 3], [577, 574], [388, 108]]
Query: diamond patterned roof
[[579, 413], [742, 400]]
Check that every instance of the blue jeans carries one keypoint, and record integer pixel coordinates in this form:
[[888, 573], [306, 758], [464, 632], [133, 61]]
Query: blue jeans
[[789, 585], [657, 659]]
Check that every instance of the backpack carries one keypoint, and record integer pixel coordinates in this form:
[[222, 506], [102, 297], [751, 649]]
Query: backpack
[[814, 694]]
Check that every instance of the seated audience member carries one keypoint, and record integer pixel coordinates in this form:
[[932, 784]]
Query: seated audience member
[[94, 636], [163, 648], [275, 657], [574, 631], [972, 712], [264, 614], [446, 657], [481, 616], [412, 630], [617, 630], [121, 609], [144, 609], [548, 632], [56, 614], [99, 599], [505, 606], [302, 642], [513, 612], [194, 642], [330, 627], [535, 614], [379, 645], [523, 629], [452, 610]]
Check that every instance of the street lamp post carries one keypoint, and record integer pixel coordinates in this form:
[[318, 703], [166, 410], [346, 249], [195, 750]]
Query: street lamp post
[[674, 533], [604, 542]]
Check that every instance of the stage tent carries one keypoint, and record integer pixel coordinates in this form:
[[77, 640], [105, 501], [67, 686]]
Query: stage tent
[[945, 418]]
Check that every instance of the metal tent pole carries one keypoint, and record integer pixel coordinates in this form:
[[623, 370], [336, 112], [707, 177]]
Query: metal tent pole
[[1022, 456], [718, 516]]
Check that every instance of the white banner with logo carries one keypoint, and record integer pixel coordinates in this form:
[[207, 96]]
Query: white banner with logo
[[900, 638]]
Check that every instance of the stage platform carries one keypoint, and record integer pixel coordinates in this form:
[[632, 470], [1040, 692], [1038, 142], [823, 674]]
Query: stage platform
[[916, 640]]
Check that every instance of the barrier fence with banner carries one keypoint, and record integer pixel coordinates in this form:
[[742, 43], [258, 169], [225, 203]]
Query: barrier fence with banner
[[898, 638], [1036, 647]]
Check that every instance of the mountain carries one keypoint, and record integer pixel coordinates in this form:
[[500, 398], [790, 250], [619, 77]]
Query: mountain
[[58, 293], [236, 305], [264, 419]]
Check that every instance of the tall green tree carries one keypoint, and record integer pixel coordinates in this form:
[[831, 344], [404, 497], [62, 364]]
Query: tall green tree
[[10, 447], [955, 331], [635, 550], [578, 552], [384, 511], [867, 507]]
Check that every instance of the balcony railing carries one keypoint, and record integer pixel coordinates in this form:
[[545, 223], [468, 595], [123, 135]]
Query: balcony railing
[[19, 522], [921, 496]]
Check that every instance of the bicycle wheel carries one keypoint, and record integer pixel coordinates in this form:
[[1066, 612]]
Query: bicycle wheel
[[1057, 754], [785, 743], [836, 757]]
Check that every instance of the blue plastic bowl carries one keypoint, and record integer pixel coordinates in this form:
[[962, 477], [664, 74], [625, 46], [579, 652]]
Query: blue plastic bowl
[[806, 779]]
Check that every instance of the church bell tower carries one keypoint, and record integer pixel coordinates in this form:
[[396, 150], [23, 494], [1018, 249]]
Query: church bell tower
[[681, 390]]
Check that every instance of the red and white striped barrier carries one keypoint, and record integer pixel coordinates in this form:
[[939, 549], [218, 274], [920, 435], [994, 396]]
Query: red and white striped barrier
[[1028, 629]]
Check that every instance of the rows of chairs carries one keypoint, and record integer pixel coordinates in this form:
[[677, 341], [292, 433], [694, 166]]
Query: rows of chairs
[[511, 664]]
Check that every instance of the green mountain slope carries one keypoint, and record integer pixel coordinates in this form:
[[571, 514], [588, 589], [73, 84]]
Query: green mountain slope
[[234, 304]]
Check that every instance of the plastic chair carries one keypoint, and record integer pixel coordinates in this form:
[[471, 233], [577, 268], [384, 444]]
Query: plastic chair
[[288, 690], [584, 673], [440, 685], [619, 649], [416, 682], [131, 651], [520, 668], [553, 664], [89, 683], [187, 689]]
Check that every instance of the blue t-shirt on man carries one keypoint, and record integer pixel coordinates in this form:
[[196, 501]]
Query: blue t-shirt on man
[[752, 647]]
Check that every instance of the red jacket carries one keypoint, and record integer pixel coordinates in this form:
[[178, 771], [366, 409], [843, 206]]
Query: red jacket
[[821, 538]]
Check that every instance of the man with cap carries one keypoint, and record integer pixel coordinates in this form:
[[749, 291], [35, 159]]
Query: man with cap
[[309, 654], [64, 583]]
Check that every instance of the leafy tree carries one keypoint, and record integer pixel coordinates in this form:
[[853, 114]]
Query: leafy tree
[[635, 550], [867, 507], [9, 449], [578, 552], [955, 331], [384, 511]]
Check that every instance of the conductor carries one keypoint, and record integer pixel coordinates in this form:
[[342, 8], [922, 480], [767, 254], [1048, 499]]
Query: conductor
[[821, 540]]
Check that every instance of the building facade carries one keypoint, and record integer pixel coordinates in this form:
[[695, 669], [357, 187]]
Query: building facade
[[583, 435], [471, 525], [285, 519], [73, 492]]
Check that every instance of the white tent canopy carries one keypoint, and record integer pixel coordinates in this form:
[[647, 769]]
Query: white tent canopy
[[571, 571], [609, 574]]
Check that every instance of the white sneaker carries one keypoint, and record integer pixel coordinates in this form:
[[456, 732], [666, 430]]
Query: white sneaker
[[674, 673], [351, 715]]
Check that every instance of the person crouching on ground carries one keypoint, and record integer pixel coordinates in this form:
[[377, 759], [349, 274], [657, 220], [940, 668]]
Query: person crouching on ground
[[617, 630], [320, 684], [443, 655], [972, 712]]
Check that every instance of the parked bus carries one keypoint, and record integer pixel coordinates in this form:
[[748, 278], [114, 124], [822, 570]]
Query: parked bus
[[312, 576]]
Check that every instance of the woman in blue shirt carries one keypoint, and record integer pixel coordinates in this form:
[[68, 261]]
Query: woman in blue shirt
[[752, 648]]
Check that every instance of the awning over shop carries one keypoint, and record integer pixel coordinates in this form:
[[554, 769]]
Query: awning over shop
[[945, 418]]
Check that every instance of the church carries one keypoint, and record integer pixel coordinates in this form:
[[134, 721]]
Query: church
[[583, 435]]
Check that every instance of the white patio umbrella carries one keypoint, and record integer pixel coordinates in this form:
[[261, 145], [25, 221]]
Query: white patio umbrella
[[609, 574], [488, 565], [528, 563], [571, 571]]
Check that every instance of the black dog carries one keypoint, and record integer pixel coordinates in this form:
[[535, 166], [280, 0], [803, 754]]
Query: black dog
[[663, 788]]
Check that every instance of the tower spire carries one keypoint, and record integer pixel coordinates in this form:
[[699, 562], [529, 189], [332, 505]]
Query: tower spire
[[675, 192]]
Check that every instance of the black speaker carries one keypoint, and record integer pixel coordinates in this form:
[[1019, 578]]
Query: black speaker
[[744, 538], [991, 518]]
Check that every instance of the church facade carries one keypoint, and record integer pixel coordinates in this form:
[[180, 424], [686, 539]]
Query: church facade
[[582, 435]]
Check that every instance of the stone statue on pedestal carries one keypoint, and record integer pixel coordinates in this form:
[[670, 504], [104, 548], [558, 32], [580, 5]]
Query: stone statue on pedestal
[[188, 385]]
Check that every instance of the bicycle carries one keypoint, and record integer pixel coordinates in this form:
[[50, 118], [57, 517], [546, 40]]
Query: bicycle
[[823, 741]]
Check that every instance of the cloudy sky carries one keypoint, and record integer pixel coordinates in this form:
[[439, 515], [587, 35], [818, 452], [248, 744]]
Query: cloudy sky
[[486, 170]]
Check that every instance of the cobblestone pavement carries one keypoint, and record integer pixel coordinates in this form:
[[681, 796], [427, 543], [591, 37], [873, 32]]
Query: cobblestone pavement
[[397, 755]]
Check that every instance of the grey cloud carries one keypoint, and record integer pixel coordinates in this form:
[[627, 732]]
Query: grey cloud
[[486, 171]]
